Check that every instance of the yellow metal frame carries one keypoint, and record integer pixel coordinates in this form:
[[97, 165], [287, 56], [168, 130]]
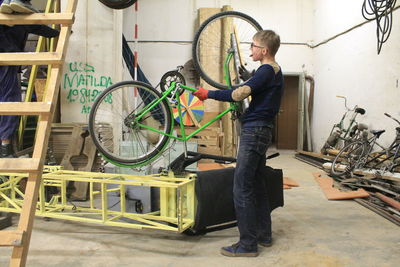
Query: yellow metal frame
[[177, 198]]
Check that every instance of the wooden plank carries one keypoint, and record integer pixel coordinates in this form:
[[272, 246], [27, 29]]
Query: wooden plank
[[229, 148], [11, 238], [37, 18], [332, 193], [31, 58], [315, 155], [333, 152], [19, 164], [24, 108], [209, 131]]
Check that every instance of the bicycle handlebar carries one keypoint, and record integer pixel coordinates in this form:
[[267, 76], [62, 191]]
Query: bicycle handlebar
[[345, 101], [386, 114]]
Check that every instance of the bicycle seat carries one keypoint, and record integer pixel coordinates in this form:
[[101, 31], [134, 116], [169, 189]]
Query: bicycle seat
[[377, 132], [360, 110]]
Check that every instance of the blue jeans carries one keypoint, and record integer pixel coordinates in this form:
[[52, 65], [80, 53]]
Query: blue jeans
[[249, 191], [10, 91]]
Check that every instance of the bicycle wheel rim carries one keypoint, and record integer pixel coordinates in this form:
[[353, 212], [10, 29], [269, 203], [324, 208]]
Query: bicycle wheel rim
[[114, 130], [211, 43], [348, 156]]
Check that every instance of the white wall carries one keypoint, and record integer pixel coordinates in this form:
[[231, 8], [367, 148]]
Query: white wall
[[175, 20], [93, 61], [350, 66]]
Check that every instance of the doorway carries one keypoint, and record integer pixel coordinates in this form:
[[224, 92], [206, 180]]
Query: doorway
[[287, 120]]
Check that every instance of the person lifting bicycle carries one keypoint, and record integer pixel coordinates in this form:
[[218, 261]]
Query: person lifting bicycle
[[266, 89]]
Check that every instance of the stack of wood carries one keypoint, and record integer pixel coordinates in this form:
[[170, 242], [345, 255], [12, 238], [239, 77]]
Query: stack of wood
[[72, 147], [210, 140], [66, 142]]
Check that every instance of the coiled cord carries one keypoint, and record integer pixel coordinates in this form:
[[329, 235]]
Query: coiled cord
[[381, 11]]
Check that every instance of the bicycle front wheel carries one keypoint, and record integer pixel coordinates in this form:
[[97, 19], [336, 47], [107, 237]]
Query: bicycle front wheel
[[127, 124], [224, 31], [348, 158]]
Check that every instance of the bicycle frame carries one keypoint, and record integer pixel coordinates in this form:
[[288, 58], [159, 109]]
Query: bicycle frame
[[174, 89], [395, 146], [340, 125]]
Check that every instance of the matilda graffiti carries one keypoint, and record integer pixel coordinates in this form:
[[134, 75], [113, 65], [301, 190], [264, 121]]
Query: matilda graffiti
[[84, 84]]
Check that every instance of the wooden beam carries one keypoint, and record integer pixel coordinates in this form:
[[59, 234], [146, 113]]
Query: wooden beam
[[37, 18], [11, 238], [21, 108], [31, 58], [19, 165]]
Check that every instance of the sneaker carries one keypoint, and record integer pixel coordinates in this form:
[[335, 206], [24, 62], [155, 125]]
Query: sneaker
[[265, 243], [238, 251], [22, 6], [5, 7], [6, 151]]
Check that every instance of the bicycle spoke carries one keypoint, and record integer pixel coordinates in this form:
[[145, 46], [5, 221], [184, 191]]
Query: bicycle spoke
[[214, 39], [116, 132]]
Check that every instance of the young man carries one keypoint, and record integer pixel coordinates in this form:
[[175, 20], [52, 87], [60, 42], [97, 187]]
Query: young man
[[266, 89]]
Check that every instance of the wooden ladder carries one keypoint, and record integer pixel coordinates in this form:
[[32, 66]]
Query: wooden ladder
[[19, 239]]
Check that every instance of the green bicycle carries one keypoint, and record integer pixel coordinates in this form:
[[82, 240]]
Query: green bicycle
[[131, 123]]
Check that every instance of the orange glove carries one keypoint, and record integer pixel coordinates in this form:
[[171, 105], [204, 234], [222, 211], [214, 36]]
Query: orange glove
[[201, 93]]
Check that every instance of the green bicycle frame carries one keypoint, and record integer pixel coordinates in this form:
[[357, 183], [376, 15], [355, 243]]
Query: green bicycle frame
[[184, 137], [232, 107]]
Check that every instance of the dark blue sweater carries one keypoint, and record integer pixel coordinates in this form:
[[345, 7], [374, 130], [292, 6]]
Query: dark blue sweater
[[266, 93], [13, 38]]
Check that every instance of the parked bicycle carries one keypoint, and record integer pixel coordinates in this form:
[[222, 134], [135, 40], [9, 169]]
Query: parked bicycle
[[358, 154], [131, 123], [342, 135]]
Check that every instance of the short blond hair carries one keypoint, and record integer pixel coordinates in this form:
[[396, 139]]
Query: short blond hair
[[269, 39]]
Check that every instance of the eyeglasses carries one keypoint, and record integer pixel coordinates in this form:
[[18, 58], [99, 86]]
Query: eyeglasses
[[253, 45]]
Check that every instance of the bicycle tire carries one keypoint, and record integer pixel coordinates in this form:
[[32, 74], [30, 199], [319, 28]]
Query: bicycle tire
[[125, 141], [245, 27], [118, 4], [350, 156]]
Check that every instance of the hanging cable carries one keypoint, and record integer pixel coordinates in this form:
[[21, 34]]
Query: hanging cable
[[381, 11]]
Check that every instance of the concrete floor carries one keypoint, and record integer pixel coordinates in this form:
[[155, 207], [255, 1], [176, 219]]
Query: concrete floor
[[308, 231]]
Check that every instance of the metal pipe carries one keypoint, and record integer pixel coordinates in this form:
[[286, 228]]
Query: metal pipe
[[388, 200]]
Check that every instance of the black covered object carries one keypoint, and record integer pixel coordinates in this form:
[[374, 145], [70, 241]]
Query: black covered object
[[214, 192], [118, 4]]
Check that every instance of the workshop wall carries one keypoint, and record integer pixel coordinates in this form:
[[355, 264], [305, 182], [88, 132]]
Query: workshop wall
[[166, 29], [350, 66], [94, 59]]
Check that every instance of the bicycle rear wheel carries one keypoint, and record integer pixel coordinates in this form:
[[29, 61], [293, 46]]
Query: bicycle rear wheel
[[215, 36], [348, 158], [117, 129]]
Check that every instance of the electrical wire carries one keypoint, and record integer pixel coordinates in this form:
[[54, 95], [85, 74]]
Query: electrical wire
[[381, 11]]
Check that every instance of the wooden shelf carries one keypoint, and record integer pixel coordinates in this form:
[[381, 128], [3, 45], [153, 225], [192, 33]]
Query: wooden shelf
[[23, 108], [37, 18], [19, 165], [11, 238], [31, 58]]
